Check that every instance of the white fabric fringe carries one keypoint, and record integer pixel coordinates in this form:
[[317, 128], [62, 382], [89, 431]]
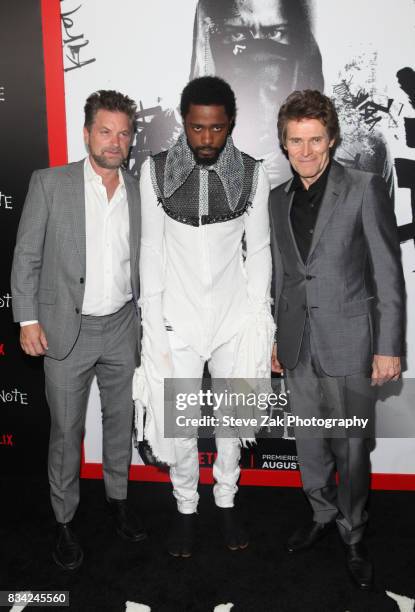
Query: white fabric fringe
[[252, 360]]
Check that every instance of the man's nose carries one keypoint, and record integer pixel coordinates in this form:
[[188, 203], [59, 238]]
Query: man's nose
[[115, 140], [306, 149], [207, 137]]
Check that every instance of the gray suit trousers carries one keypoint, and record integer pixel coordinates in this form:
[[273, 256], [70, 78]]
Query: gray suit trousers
[[323, 452], [106, 346]]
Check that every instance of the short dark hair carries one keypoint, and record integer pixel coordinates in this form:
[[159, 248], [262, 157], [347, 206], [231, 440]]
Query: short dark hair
[[308, 104], [208, 91], [110, 100]]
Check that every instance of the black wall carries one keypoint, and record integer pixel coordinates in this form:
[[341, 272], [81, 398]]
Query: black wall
[[24, 417]]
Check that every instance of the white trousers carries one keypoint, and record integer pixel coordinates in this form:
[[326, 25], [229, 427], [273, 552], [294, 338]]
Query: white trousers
[[184, 474]]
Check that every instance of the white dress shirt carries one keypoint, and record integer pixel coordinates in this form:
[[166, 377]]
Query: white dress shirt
[[108, 274]]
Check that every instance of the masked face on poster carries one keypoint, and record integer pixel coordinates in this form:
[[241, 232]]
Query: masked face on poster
[[265, 49]]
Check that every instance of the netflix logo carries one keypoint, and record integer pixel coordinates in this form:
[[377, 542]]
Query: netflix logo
[[206, 459], [2, 353], [6, 439]]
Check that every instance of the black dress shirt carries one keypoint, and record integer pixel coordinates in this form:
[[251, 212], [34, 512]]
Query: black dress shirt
[[305, 208]]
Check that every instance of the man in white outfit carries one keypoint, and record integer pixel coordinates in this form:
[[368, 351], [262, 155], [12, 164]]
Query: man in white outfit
[[201, 299]]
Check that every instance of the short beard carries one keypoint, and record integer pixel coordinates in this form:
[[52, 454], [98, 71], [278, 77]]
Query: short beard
[[103, 162], [206, 161]]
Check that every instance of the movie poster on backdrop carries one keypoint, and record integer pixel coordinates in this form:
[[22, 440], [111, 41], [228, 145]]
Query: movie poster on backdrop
[[265, 49]]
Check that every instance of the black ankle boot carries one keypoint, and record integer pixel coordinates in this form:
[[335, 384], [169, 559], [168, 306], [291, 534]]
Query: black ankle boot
[[182, 535], [234, 534]]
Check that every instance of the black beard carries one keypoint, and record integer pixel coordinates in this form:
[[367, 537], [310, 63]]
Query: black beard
[[206, 161]]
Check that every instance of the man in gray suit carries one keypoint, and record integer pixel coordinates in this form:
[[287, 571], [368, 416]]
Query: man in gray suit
[[75, 288], [339, 306]]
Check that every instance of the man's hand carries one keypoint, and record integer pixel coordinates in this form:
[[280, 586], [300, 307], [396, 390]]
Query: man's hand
[[33, 340], [275, 364], [385, 368]]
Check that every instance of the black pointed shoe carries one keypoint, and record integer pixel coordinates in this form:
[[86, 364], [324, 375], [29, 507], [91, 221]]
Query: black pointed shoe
[[359, 565], [234, 534], [127, 525], [182, 535], [68, 553], [305, 537]]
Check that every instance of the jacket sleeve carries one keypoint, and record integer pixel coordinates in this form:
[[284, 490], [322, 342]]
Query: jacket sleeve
[[155, 345], [258, 264], [28, 253], [381, 234], [253, 343]]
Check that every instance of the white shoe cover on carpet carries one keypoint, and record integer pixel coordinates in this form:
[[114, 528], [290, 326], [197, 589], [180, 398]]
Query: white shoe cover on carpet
[[131, 606], [406, 604]]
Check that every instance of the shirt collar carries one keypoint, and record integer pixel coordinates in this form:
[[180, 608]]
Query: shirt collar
[[229, 167], [297, 184], [91, 175]]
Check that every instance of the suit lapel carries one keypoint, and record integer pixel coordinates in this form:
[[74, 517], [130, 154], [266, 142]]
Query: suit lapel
[[334, 187], [76, 172]]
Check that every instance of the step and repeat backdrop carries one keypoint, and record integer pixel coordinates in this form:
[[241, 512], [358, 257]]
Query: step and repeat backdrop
[[24, 416], [358, 52]]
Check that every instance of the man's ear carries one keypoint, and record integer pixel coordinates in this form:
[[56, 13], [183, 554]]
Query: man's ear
[[86, 135], [284, 150]]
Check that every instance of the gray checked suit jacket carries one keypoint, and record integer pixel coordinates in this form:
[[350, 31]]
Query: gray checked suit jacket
[[352, 282], [49, 265]]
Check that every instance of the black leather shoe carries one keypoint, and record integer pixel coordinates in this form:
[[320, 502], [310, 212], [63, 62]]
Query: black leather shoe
[[359, 565], [233, 532], [68, 552], [307, 536], [127, 525], [181, 539]]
